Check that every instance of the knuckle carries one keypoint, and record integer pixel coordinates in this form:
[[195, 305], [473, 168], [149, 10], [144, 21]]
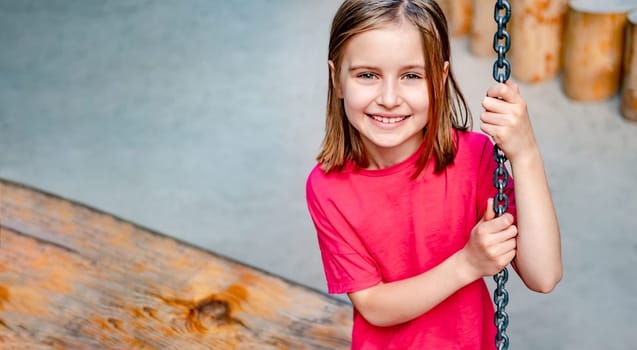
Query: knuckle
[[508, 218]]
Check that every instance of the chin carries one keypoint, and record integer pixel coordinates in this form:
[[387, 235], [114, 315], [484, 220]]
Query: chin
[[387, 144]]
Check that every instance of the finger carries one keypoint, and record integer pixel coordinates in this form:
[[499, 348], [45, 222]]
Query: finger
[[507, 234], [513, 85], [497, 238], [497, 225], [494, 131], [495, 118], [495, 105], [489, 213], [508, 257], [504, 222], [505, 247], [505, 92]]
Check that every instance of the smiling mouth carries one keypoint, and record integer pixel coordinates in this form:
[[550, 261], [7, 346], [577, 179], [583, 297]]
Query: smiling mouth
[[387, 120]]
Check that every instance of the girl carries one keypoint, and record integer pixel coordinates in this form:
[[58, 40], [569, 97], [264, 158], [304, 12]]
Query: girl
[[402, 196]]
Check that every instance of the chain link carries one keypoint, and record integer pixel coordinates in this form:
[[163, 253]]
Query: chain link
[[500, 294], [502, 15], [501, 73]]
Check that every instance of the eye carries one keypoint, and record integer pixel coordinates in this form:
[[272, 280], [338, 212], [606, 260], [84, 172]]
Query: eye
[[412, 76], [366, 75]]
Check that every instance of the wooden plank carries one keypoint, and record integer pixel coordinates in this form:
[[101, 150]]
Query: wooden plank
[[72, 277]]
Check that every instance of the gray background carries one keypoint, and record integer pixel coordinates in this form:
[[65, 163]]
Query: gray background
[[201, 119]]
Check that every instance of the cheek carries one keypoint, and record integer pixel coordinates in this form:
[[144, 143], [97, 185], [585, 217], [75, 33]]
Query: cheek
[[418, 101], [352, 111], [357, 96]]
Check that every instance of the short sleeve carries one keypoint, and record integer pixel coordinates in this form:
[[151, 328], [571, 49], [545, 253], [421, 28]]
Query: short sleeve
[[485, 187], [347, 264]]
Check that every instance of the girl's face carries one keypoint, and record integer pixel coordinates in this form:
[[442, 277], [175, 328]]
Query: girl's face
[[384, 88]]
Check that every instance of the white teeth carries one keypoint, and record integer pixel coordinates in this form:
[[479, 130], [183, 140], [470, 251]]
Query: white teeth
[[388, 120]]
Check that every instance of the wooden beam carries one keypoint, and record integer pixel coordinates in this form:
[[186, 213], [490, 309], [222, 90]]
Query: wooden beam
[[72, 277]]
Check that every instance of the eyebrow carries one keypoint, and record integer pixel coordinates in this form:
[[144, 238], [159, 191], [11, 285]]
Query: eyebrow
[[364, 67]]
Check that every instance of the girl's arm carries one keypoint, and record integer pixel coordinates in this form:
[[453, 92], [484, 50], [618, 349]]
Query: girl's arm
[[538, 260], [490, 248]]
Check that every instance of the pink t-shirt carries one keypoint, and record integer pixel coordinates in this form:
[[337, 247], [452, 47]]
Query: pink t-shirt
[[382, 225]]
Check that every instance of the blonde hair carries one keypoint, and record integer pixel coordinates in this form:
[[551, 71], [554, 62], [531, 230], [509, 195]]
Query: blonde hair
[[448, 108]]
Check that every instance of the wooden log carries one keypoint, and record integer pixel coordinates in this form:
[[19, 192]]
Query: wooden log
[[459, 14], [483, 27], [593, 48], [536, 32], [72, 277], [629, 81]]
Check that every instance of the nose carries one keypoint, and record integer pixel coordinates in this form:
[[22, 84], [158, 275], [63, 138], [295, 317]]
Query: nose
[[389, 95]]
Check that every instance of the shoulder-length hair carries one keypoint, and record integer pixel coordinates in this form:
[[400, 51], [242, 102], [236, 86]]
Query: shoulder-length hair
[[448, 108]]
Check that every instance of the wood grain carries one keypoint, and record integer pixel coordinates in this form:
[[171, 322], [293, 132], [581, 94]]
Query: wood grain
[[72, 277], [593, 49], [536, 38]]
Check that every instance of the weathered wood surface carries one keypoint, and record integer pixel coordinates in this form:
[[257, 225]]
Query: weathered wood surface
[[536, 31], [593, 48], [72, 277], [629, 81]]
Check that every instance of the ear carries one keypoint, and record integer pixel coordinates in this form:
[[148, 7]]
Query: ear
[[335, 82]]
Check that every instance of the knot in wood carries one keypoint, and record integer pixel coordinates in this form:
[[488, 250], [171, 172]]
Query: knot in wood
[[212, 309], [210, 312]]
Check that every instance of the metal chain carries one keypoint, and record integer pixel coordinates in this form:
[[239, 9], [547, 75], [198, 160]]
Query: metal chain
[[501, 73], [502, 67]]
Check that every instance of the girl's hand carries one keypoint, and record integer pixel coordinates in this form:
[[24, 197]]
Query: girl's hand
[[506, 120], [492, 244]]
